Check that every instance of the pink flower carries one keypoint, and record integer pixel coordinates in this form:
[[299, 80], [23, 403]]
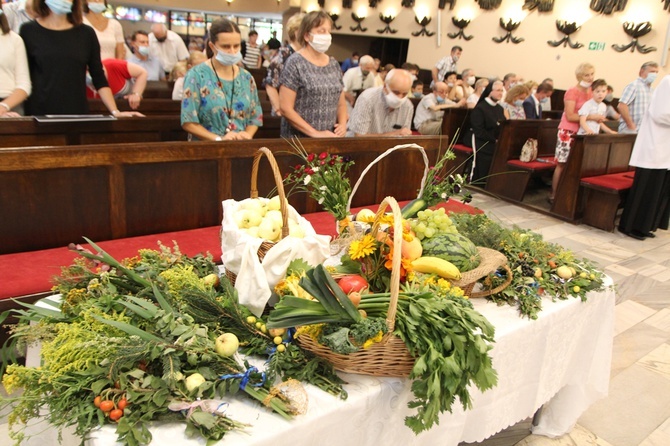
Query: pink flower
[[323, 155], [311, 157]]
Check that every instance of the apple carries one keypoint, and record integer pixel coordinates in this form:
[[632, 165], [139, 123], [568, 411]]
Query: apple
[[365, 215], [212, 280], [269, 230], [194, 381], [352, 283], [274, 332], [254, 218], [295, 229], [253, 231], [241, 218], [255, 204], [226, 344], [274, 215]]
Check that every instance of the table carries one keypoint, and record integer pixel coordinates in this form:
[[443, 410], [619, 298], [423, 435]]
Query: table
[[560, 362]]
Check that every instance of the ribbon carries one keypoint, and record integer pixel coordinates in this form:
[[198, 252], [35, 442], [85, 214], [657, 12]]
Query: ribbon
[[246, 376], [211, 406]]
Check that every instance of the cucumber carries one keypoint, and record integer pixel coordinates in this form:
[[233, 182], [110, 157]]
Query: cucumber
[[413, 207]]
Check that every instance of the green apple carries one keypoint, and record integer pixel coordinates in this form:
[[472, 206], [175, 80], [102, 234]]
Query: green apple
[[255, 218], [226, 344], [295, 230], [274, 215], [194, 381], [253, 231], [211, 279], [241, 218], [275, 204], [255, 204], [365, 215], [269, 230]]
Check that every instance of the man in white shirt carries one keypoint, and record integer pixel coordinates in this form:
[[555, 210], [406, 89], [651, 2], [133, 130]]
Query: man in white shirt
[[445, 65], [384, 110], [635, 99], [532, 106], [142, 56], [167, 46], [359, 78], [19, 13], [430, 111], [469, 79]]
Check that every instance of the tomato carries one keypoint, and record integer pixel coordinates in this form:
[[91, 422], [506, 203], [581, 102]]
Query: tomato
[[106, 405], [97, 400], [352, 283], [122, 403], [115, 414]]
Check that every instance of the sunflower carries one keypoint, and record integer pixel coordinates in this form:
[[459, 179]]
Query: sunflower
[[363, 247]]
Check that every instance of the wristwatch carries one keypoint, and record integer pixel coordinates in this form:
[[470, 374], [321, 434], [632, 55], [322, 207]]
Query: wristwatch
[[218, 138]]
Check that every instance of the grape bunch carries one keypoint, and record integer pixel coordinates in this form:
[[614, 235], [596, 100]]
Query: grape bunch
[[430, 223]]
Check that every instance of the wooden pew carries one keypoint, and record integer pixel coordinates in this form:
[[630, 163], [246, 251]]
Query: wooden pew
[[25, 132], [591, 155], [153, 107], [509, 179], [158, 90], [51, 196]]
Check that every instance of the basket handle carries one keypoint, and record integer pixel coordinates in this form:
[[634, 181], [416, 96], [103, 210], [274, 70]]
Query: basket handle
[[397, 255], [384, 155], [278, 182]]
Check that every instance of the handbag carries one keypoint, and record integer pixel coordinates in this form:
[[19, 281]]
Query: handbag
[[529, 151]]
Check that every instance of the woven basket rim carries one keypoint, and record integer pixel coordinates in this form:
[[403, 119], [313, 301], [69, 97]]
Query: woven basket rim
[[491, 260]]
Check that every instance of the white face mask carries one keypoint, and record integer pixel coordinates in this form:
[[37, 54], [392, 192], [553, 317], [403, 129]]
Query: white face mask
[[394, 101], [585, 84], [320, 42], [471, 80], [450, 84], [651, 77]]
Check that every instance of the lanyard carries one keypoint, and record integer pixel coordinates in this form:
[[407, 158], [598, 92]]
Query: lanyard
[[232, 94]]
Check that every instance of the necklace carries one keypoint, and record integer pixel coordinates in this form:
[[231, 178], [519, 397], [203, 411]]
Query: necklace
[[232, 94]]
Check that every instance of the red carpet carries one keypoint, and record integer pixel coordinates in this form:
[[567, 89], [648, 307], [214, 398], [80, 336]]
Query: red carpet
[[27, 273]]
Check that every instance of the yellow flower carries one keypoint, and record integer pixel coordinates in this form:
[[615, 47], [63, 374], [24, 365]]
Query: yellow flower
[[362, 248], [377, 338]]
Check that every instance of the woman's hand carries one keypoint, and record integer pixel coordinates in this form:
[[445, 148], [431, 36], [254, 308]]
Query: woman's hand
[[340, 130], [128, 114], [134, 100], [8, 114], [325, 134], [237, 135]]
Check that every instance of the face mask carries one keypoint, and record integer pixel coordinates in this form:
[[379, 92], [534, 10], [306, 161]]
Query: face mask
[[439, 99], [320, 42], [266, 54], [518, 103], [227, 58], [450, 84], [97, 7], [365, 73], [354, 62], [585, 84], [651, 77], [544, 100], [59, 6], [609, 97], [418, 95], [471, 80], [394, 101], [143, 50], [454, 58]]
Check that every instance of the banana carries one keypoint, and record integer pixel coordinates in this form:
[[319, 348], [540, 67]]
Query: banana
[[435, 265]]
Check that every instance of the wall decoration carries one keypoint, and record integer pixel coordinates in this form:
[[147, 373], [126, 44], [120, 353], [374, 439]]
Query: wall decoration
[[666, 6], [489, 5], [508, 26], [407, 3], [541, 5], [423, 22], [358, 21], [347, 4], [607, 6], [373, 3], [452, 3], [461, 24], [567, 29], [322, 3], [635, 31], [334, 18], [387, 19]]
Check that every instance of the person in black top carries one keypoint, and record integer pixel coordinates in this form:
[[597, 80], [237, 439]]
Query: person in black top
[[60, 49], [485, 121]]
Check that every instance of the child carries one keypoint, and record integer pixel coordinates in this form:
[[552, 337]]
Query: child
[[611, 111], [179, 72], [417, 89], [594, 106]]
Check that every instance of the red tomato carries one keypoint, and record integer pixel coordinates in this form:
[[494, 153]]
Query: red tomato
[[352, 283]]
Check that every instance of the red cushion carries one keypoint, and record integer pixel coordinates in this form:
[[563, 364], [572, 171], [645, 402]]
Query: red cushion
[[462, 148], [27, 273], [545, 163], [614, 181]]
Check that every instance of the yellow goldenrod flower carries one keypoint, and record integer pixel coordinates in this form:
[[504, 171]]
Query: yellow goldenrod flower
[[363, 247]]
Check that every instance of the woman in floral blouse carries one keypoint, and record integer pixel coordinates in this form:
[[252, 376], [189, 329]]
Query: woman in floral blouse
[[220, 99]]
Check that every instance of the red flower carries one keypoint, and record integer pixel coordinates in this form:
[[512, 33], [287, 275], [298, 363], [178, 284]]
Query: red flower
[[323, 155], [322, 162], [298, 167], [311, 157], [332, 161], [309, 171]]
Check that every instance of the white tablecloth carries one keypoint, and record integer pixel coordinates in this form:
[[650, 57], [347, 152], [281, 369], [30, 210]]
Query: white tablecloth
[[561, 361]]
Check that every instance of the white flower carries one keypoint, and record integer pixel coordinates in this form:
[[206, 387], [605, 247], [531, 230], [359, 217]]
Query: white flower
[[307, 179], [323, 188], [321, 200], [444, 195], [315, 169]]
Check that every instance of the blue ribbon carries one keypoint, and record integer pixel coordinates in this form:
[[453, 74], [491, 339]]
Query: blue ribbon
[[246, 376]]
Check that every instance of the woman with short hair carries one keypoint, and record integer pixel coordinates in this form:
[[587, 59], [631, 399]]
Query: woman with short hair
[[15, 84], [513, 103], [220, 99], [311, 92]]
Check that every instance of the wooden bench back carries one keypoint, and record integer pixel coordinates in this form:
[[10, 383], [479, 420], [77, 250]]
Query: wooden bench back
[[513, 135], [591, 155], [153, 107], [51, 196]]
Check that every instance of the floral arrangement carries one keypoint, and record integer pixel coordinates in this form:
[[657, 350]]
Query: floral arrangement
[[323, 177], [539, 268], [152, 338]]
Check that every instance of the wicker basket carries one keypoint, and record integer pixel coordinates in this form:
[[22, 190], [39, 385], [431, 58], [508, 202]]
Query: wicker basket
[[491, 261], [389, 357], [266, 245]]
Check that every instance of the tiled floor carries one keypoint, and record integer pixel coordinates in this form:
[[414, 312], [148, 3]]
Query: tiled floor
[[637, 410]]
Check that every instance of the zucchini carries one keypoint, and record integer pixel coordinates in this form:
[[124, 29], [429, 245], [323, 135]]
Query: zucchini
[[413, 207]]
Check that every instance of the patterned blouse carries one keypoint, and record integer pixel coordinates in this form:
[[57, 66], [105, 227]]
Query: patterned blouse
[[318, 91], [230, 106], [514, 111]]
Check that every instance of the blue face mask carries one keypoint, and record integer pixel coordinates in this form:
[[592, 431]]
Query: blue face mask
[[227, 58], [544, 100], [97, 7], [440, 99], [518, 103], [59, 6], [651, 77]]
